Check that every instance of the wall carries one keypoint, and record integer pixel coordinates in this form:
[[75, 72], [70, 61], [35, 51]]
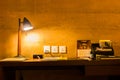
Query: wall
[[58, 22]]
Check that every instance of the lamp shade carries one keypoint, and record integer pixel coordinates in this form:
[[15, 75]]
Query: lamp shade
[[26, 25]]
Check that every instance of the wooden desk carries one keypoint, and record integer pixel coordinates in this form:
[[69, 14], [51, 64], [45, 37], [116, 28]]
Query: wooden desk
[[67, 69]]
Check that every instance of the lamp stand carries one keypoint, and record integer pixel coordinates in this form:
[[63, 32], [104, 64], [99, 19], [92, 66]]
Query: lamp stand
[[23, 25], [19, 41]]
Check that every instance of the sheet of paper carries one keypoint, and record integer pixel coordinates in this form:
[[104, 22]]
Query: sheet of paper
[[14, 59]]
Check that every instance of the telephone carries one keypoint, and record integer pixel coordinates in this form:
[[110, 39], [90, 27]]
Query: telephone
[[97, 50]]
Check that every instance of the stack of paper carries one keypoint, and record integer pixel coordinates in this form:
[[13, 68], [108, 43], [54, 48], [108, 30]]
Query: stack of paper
[[14, 59]]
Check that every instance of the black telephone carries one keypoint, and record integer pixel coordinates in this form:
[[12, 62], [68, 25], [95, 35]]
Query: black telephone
[[101, 51]]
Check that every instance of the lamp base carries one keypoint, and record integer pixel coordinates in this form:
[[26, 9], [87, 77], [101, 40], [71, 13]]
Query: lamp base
[[19, 56]]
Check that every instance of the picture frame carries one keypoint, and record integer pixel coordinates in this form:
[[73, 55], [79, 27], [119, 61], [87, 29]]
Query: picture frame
[[83, 49], [105, 43]]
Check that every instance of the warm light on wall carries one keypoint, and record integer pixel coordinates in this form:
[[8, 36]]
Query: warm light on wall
[[32, 38]]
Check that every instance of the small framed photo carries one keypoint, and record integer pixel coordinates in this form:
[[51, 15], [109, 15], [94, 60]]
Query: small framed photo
[[83, 44], [105, 43], [83, 48]]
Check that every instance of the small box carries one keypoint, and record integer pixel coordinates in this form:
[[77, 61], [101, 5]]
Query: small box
[[37, 56]]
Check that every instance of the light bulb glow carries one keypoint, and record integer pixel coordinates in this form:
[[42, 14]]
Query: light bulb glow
[[27, 28], [31, 38]]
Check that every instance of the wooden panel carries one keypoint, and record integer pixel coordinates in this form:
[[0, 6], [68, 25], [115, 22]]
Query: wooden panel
[[1, 74], [102, 70]]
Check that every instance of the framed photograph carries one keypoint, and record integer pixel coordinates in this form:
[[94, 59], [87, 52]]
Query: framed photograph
[[83, 44], [105, 43], [83, 48]]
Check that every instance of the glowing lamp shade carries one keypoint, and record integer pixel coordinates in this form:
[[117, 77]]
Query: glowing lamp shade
[[23, 26], [26, 25]]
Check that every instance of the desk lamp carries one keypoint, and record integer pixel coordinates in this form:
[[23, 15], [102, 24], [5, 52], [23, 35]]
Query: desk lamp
[[24, 25]]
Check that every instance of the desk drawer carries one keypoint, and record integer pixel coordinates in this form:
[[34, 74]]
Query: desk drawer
[[102, 70]]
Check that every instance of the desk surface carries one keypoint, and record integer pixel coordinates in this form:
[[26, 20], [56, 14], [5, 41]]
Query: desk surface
[[68, 67]]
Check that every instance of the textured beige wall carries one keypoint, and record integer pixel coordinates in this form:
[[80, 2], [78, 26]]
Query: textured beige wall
[[58, 22]]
